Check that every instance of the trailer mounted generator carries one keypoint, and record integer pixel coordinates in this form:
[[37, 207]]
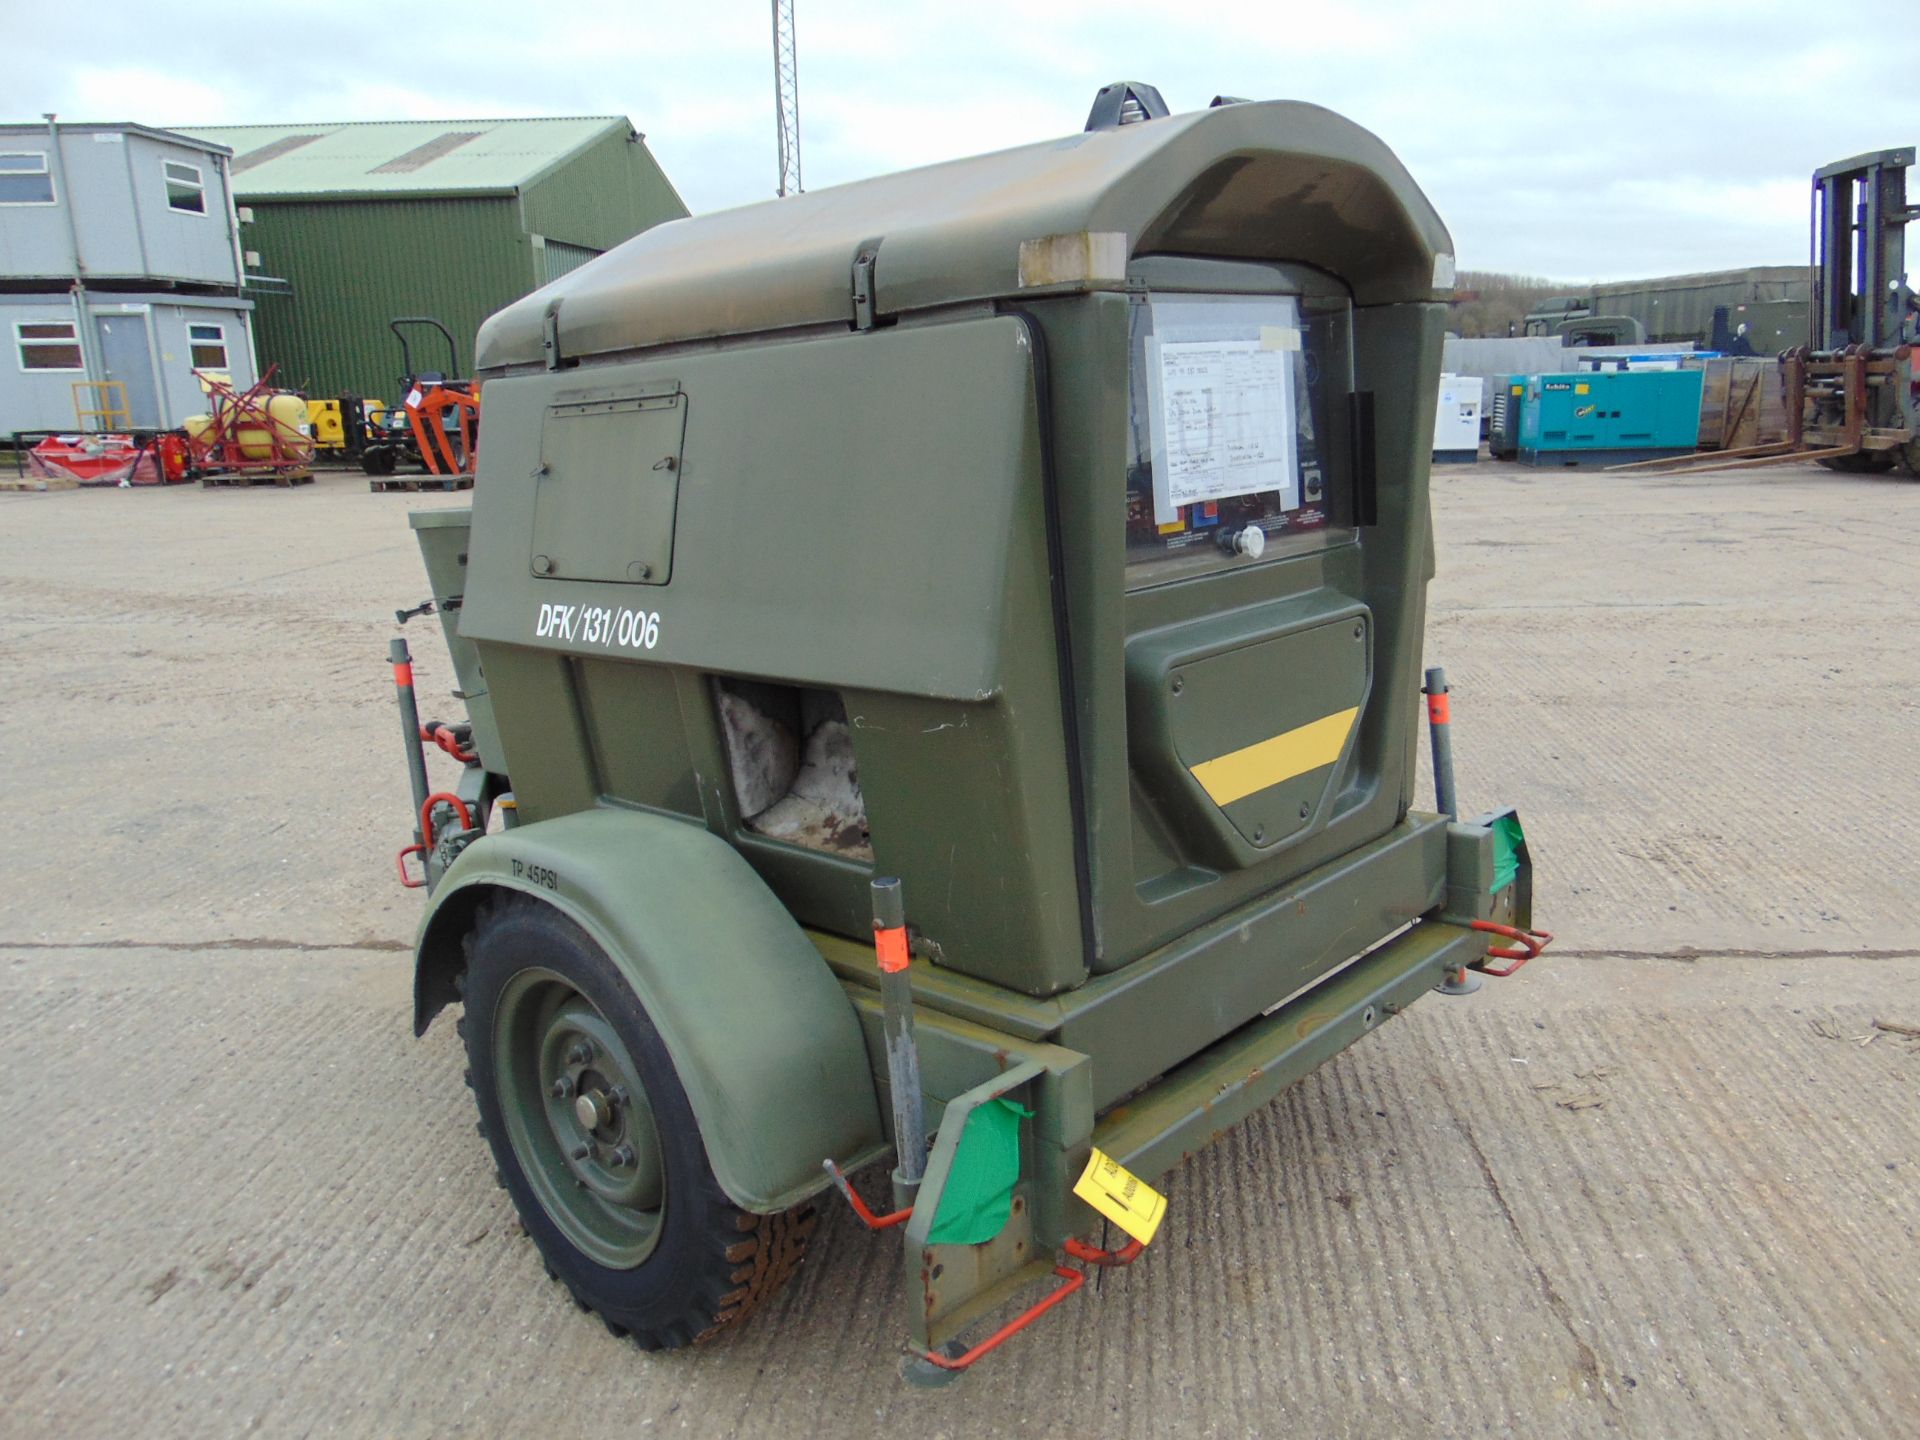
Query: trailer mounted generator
[[942, 660]]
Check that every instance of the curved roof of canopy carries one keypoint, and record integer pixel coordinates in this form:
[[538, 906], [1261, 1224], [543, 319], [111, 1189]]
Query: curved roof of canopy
[[1276, 180]]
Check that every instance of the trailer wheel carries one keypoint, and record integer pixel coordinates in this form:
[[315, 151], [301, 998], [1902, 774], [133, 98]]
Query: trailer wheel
[[595, 1140], [1910, 456], [377, 460]]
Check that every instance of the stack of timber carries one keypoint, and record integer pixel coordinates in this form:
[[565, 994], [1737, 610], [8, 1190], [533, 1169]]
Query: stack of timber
[[1742, 402]]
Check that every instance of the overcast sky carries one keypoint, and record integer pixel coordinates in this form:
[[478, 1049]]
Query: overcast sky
[[1604, 140]]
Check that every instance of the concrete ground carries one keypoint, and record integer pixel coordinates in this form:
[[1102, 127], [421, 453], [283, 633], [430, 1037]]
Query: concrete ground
[[1661, 1184]]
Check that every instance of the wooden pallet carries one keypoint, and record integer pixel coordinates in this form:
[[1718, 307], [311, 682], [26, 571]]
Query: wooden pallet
[[379, 484], [36, 483], [283, 478]]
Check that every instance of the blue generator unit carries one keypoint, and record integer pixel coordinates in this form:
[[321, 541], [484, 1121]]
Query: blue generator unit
[[1608, 417]]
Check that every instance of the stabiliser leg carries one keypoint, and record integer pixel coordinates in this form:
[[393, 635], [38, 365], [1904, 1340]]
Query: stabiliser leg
[[1440, 731], [932, 1367], [891, 951]]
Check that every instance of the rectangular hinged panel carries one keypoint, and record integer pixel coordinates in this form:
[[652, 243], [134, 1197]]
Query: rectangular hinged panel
[[608, 486], [1261, 727]]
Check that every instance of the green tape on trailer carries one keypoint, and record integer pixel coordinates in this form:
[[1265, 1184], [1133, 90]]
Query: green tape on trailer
[[977, 1199], [1508, 837]]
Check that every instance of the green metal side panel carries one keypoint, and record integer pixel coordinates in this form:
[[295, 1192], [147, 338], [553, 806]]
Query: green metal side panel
[[924, 608], [1680, 307], [609, 192], [355, 265]]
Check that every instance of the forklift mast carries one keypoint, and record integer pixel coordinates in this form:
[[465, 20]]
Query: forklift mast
[[1859, 219]]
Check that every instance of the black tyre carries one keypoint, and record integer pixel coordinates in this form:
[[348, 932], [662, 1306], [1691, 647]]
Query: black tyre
[[1864, 462], [377, 460], [596, 1142]]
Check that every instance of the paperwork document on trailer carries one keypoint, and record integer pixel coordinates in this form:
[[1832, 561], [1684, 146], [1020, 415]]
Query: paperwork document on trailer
[[1223, 422]]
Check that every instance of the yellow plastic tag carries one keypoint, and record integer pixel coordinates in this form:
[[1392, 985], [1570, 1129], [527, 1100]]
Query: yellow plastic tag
[[1582, 388], [1123, 1197]]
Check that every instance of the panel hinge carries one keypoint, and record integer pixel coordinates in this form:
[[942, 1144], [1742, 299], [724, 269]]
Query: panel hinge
[[550, 336]]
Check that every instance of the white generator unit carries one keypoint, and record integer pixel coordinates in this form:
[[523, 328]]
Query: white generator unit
[[1456, 419]]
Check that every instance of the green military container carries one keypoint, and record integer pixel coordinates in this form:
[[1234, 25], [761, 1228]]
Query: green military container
[[944, 656]]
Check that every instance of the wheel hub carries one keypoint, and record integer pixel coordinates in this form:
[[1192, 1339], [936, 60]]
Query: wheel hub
[[579, 1119], [592, 1110]]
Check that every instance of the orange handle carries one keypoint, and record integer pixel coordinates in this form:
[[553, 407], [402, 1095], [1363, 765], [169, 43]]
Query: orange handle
[[1530, 943]]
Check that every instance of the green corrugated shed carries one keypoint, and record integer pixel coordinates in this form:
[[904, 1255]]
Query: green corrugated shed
[[449, 218]]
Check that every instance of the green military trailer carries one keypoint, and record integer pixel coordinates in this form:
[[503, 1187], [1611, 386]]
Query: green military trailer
[[943, 669]]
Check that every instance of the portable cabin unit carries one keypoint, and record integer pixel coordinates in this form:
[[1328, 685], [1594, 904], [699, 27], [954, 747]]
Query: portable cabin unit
[[1456, 419], [347, 226], [120, 276]]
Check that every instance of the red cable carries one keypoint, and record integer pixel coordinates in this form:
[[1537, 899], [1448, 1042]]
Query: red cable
[[1107, 1259], [867, 1217]]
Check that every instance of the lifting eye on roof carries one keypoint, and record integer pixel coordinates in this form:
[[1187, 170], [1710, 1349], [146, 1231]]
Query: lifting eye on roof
[[1125, 102]]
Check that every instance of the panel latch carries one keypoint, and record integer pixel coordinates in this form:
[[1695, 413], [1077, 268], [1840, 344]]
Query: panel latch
[[865, 315]]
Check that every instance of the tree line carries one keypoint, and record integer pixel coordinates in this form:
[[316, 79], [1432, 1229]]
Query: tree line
[[1487, 302]]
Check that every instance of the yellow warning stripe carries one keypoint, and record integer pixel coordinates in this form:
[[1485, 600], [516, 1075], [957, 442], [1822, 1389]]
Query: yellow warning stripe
[[1240, 773]]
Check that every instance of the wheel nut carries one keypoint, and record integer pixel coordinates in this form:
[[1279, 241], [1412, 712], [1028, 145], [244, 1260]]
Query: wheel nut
[[580, 1054], [618, 1095], [562, 1088], [581, 1152], [623, 1156]]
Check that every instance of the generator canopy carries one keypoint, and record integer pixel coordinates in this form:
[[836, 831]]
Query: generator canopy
[[1272, 181]]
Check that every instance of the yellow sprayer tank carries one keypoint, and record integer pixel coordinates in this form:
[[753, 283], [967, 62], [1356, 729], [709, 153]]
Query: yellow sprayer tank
[[287, 417]]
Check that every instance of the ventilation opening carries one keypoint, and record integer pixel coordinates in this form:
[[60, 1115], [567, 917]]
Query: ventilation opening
[[791, 753]]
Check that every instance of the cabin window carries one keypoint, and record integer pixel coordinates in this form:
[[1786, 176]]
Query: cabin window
[[24, 179], [208, 345], [186, 191], [48, 345]]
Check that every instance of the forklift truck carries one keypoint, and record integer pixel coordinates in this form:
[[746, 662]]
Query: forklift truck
[[943, 666], [1853, 392]]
